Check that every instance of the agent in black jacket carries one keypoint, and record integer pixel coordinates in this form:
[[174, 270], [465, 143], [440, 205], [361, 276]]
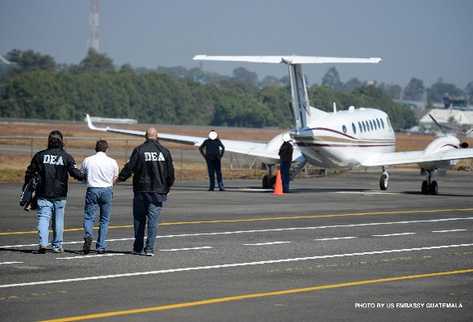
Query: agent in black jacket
[[285, 160], [53, 167], [212, 150], [153, 176]]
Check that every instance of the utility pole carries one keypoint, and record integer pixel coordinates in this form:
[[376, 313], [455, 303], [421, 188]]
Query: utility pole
[[94, 36]]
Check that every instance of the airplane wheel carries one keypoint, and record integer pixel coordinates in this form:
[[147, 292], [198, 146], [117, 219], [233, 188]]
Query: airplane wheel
[[272, 181], [383, 182], [425, 187], [265, 182], [434, 188], [268, 181]]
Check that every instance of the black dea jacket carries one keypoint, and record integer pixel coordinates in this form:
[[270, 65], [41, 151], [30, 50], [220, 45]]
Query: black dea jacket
[[152, 168], [53, 166]]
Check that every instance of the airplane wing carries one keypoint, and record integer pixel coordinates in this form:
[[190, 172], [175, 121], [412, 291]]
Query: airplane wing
[[290, 59], [254, 149], [419, 157]]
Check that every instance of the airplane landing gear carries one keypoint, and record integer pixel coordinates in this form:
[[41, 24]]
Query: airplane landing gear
[[429, 186], [384, 180], [268, 179]]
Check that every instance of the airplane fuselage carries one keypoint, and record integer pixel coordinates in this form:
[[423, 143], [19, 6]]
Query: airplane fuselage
[[344, 139]]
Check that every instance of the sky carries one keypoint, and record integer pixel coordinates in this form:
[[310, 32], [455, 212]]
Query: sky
[[427, 39]]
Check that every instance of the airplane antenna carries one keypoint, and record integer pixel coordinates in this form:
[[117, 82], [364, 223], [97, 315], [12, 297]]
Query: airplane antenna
[[94, 36], [334, 107]]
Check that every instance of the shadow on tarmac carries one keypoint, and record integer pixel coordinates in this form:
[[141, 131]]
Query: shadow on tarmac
[[439, 194]]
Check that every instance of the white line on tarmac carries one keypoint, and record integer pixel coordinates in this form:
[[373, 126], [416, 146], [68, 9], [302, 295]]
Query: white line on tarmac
[[335, 238], [269, 243], [367, 193], [448, 230], [237, 232], [10, 263], [233, 265], [89, 256], [183, 249], [394, 234]]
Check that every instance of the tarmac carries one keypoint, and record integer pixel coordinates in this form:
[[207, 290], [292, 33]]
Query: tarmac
[[334, 249]]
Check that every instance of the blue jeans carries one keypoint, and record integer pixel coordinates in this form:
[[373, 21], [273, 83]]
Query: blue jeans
[[96, 198], [285, 178], [145, 214], [47, 210]]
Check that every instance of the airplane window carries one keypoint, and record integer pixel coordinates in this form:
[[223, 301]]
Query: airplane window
[[354, 128], [374, 125], [344, 129], [360, 127], [364, 125], [382, 123], [378, 123], [371, 125]]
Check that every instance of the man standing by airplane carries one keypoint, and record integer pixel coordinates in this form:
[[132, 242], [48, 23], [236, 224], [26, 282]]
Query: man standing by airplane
[[212, 150], [285, 156], [101, 172], [53, 167], [153, 175]]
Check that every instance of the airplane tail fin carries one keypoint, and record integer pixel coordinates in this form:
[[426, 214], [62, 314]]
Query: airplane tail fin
[[300, 97]]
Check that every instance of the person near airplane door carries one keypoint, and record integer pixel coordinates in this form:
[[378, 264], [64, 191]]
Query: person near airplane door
[[285, 160]]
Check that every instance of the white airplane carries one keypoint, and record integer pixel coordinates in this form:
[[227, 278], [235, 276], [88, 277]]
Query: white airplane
[[357, 137]]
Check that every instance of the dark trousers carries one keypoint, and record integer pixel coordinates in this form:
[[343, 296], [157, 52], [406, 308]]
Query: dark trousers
[[214, 166], [285, 166], [145, 215]]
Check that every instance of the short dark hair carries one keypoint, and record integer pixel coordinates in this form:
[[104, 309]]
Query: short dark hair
[[55, 140], [101, 146]]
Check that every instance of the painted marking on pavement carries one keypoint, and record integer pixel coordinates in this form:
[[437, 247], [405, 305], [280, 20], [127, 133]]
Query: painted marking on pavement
[[232, 265], [448, 230], [335, 238], [183, 249], [367, 193], [269, 243], [238, 232], [10, 263], [232, 221], [89, 256], [242, 297], [394, 234]]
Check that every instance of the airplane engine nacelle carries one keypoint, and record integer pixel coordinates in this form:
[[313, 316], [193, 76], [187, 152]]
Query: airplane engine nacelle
[[443, 143], [277, 141], [440, 144]]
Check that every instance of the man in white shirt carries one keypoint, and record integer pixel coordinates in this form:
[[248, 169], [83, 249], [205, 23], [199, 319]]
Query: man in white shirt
[[101, 172]]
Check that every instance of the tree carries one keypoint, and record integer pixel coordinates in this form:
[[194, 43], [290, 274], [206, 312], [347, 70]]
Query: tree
[[439, 90], [30, 60], [414, 91], [469, 92], [245, 76], [270, 81], [392, 90], [352, 84], [96, 62], [332, 80]]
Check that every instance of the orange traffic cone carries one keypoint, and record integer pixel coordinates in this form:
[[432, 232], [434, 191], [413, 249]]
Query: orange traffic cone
[[278, 185]]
